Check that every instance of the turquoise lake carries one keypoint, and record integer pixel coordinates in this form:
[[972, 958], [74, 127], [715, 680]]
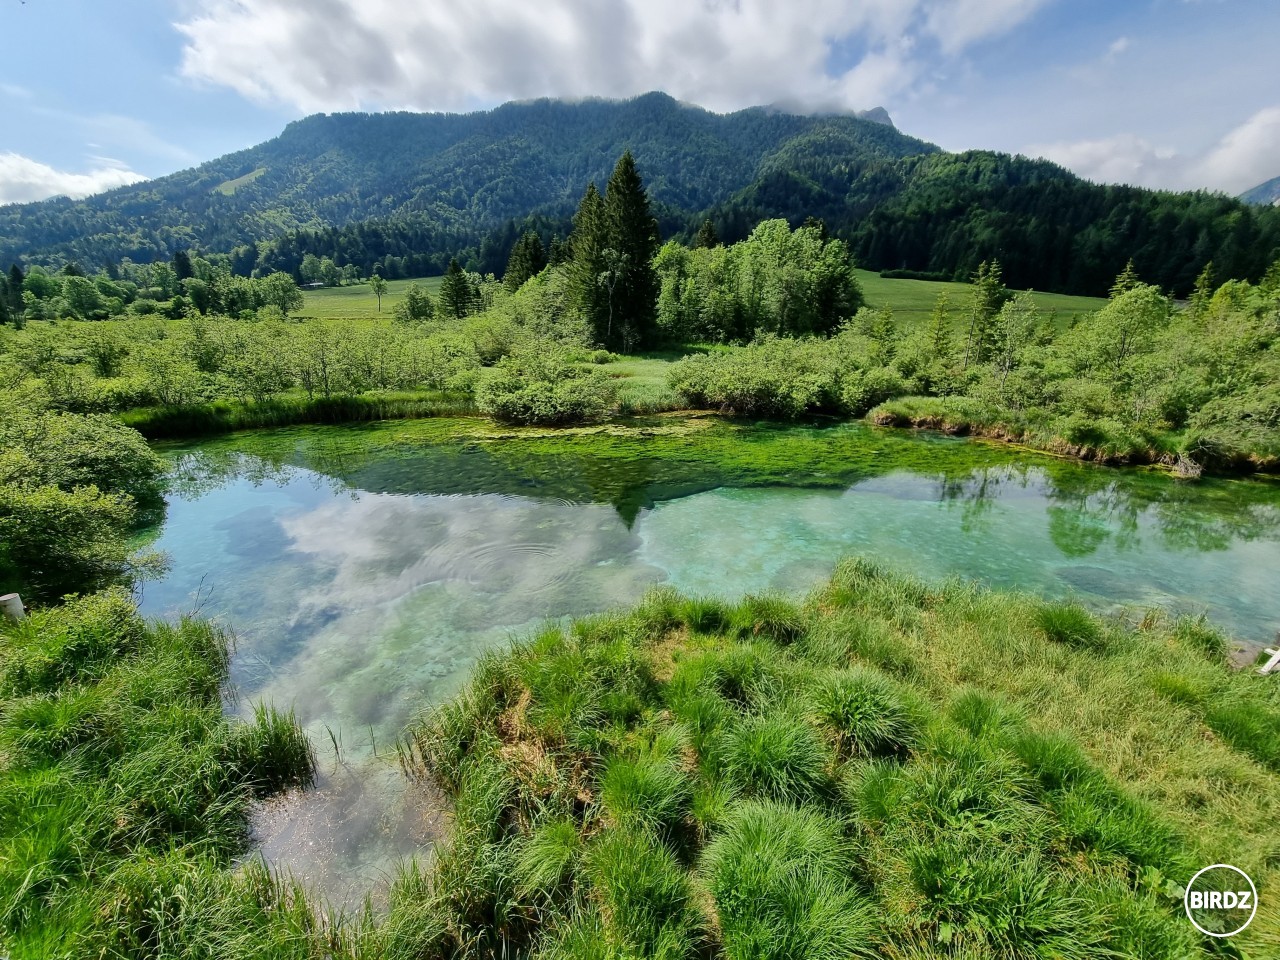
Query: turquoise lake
[[363, 569]]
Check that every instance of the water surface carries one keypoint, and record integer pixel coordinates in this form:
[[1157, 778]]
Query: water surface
[[363, 569]]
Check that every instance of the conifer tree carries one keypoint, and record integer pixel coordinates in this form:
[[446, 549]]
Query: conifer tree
[[940, 330], [1126, 281], [457, 298], [1203, 291], [586, 261], [182, 268], [528, 258], [632, 233], [557, 251], [989, 295], [706, 237], [16, 276]]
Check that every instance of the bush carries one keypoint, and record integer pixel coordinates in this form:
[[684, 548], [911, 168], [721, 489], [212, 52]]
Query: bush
[[54, 542], [768, 378], [545, 389], [69, 451]]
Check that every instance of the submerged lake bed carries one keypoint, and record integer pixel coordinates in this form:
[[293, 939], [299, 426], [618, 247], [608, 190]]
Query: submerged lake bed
[[365, 568]]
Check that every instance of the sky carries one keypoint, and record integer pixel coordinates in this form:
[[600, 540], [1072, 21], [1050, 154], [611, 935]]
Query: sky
[[1179, 94]]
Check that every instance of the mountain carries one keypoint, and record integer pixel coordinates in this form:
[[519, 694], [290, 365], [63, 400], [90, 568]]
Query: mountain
[[1264, 193], [404, 192], [457, 172]]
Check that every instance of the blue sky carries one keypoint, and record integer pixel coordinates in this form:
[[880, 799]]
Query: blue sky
[[1169, 93]]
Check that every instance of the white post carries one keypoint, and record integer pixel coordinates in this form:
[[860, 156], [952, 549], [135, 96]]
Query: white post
[[11, 606], [1271, 664]]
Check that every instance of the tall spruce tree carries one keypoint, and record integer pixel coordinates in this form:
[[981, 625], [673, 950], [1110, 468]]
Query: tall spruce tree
[[457, 299], [1198, 304], [706, 236], [528, 258], [586, 262], [989, 295], [182, 268], [632, 234]]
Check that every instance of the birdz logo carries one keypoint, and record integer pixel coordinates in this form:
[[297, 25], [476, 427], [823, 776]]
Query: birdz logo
[[1221, 900]]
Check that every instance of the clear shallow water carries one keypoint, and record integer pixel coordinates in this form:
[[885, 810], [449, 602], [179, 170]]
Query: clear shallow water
[[363, 569]]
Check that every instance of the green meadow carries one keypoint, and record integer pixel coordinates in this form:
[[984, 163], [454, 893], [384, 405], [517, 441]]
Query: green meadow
[[913, 300], [358, 301]]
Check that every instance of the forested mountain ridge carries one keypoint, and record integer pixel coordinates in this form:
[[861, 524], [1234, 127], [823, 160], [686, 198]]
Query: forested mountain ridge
[[459, 175], [403, 193]]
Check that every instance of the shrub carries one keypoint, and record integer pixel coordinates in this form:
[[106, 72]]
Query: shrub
[[769, 378], [545, 389], [69, 451], [54, 542]]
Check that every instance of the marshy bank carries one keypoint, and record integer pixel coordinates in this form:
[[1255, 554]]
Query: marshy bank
[[366, 567], [891, 768]]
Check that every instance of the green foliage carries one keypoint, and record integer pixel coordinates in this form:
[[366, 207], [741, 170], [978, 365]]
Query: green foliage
[[528, 259], [792, 283], [416, 307], [68, 452], [776, 757], [542, 386], [646, 895], [866, 712], [781, 878], [457, 296], [55, 541], [125, 792]]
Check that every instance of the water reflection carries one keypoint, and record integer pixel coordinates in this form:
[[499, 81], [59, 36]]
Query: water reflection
[[365, 569]]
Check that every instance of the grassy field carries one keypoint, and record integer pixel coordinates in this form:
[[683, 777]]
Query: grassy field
[[913, 300], [358, 301]]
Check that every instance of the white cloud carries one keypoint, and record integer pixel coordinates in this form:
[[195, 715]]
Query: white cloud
[[1246, 156], [724, 54], [958, 23], [23, 179], [1118, 46]]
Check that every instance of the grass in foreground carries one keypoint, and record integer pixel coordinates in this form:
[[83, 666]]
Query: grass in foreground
[[124, 793], [892, 769]]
